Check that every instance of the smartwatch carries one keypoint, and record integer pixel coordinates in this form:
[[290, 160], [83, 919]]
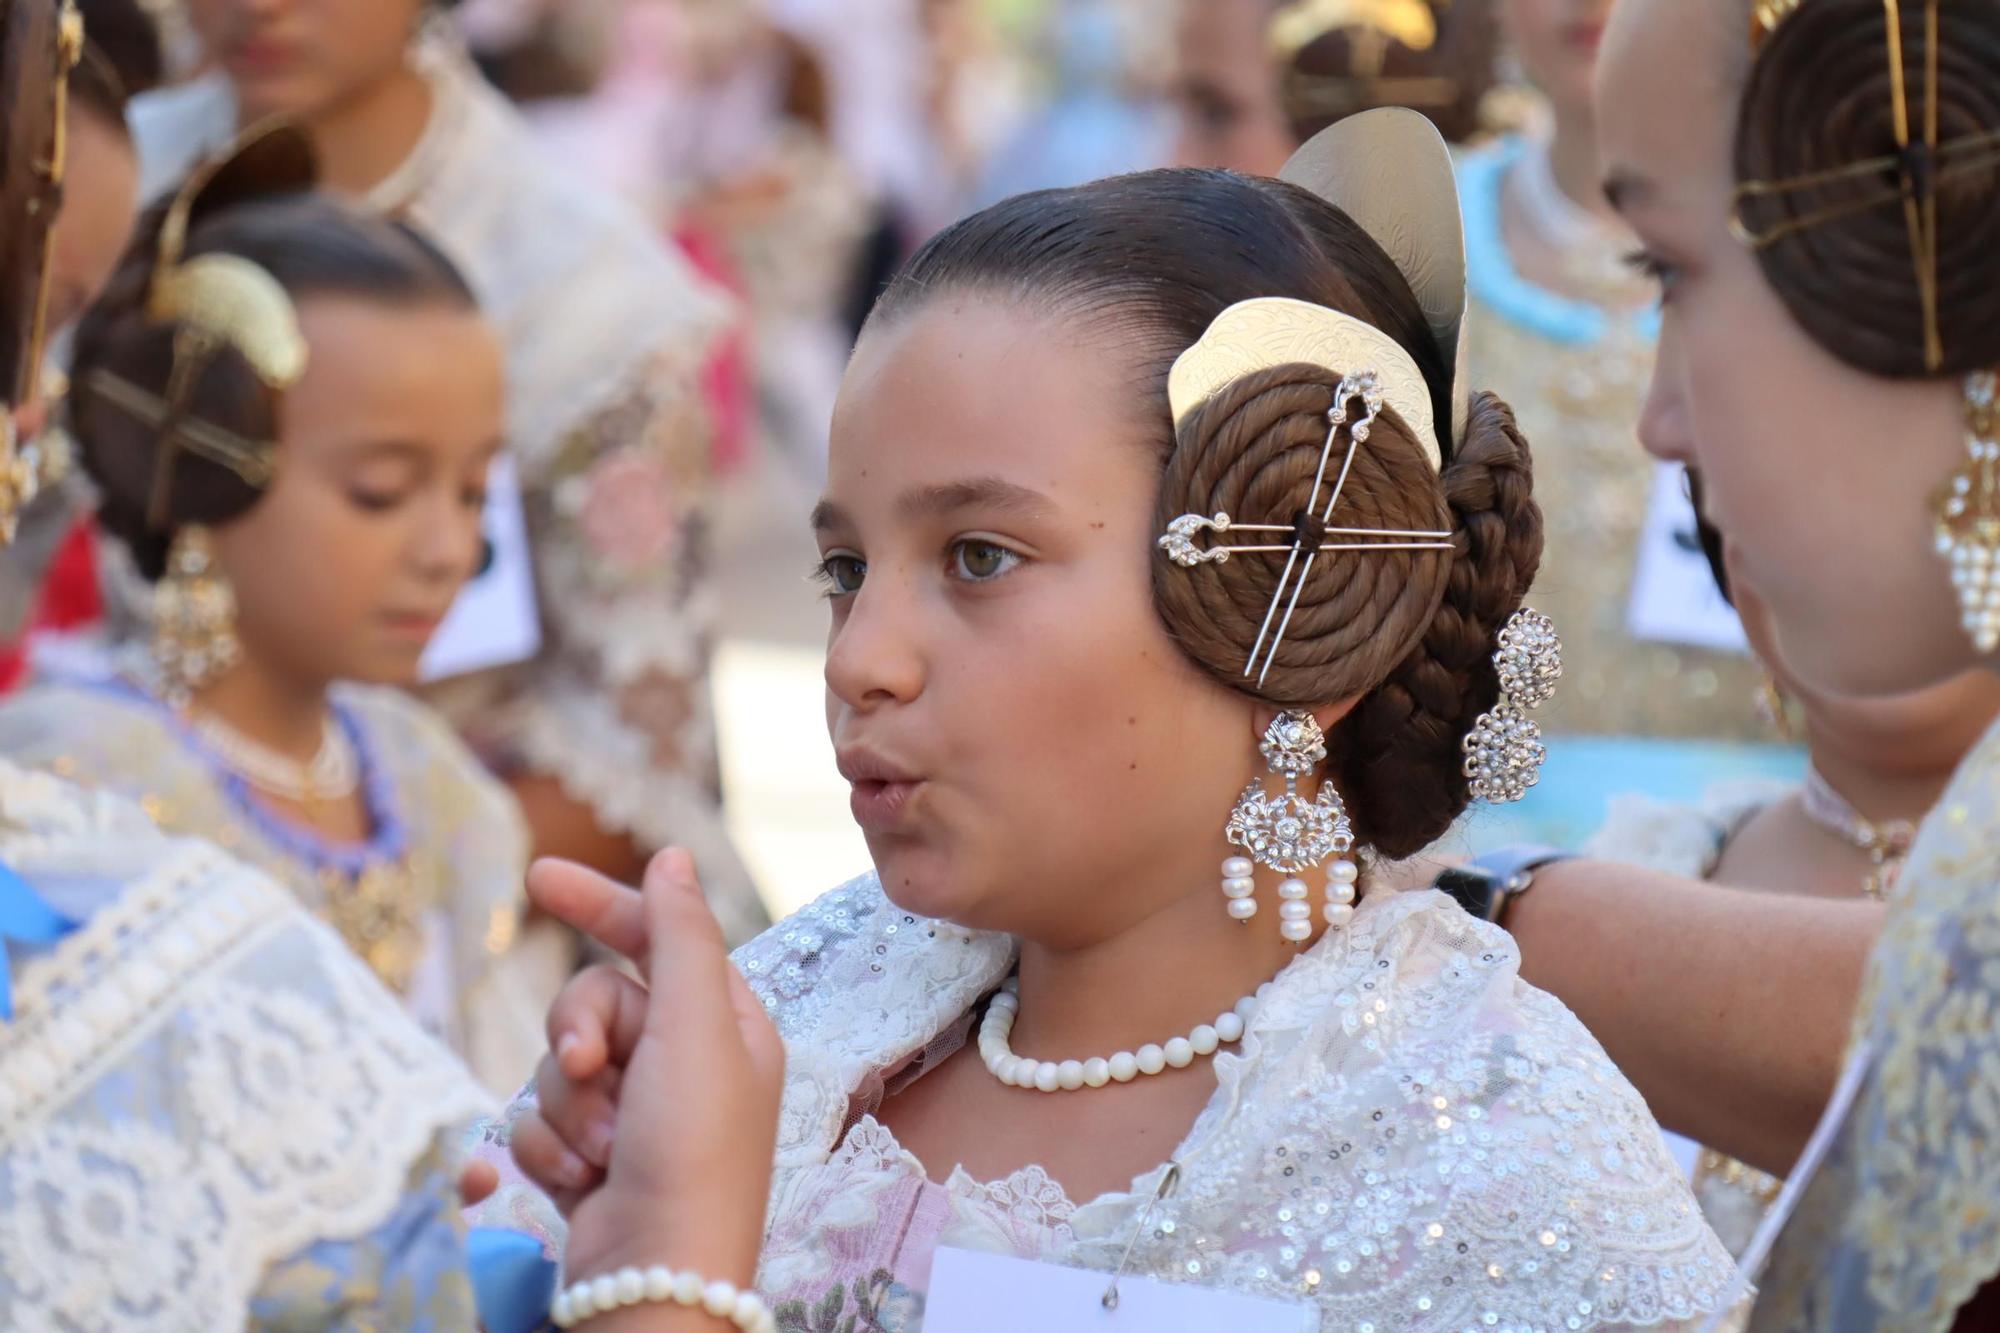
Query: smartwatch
[[1486, 886]]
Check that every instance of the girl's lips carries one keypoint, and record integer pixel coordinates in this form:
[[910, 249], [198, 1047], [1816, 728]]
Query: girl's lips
[[881, 807]]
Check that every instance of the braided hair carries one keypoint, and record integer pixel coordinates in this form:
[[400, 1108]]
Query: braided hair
[[1151, 260]]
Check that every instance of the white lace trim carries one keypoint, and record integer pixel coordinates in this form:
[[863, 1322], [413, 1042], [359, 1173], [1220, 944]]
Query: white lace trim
[[1681, 838], [197, 1083]]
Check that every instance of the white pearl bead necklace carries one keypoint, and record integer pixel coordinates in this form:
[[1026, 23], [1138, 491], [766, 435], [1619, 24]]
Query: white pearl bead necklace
[[1069, 1075], [660, 1285]]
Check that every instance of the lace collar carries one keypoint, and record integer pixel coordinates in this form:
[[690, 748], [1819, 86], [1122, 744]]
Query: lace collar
[[859, 987]]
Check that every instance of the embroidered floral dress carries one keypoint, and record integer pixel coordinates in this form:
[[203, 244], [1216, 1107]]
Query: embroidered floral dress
[[1901, 1225], [1409, 1138]]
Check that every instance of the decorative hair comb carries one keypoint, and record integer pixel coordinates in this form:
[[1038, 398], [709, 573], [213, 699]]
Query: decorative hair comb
[[1390, 171], [1300, 24], [216, 301]]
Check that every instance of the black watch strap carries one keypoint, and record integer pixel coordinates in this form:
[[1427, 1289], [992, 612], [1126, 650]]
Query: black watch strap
[[1484, 887]]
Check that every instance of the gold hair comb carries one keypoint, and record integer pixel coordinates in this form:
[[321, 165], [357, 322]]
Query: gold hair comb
[[1376, 23]]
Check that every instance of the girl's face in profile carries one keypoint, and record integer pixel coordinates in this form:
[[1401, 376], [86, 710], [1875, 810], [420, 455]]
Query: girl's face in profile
[[1029, 750], [1820, 477]]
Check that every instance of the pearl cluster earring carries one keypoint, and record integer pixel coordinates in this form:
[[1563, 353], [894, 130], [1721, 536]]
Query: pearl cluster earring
[[1291, 835]]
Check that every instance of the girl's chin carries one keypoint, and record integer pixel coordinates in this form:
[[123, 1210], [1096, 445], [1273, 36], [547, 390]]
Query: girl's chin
[[918, 880]]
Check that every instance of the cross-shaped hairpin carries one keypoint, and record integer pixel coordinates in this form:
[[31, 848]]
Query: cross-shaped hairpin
[[1309, 531]]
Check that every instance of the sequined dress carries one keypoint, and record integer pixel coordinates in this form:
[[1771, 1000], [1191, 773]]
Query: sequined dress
[[432, 900], [1409, 1138]]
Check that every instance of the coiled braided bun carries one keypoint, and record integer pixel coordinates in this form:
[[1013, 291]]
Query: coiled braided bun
[[1152, 259], [1819, 99], [1409, 632]]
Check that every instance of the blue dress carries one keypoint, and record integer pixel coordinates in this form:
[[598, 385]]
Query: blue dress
[[212, 1116]]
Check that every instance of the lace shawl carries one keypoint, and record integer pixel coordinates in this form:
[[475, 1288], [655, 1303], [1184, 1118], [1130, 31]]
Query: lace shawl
[[198, 1084], [1410, 1137], [481, 986]]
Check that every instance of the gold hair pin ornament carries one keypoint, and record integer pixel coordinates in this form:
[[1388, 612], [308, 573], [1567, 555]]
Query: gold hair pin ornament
[[1921, 161], [217, 301], [1310, 531]]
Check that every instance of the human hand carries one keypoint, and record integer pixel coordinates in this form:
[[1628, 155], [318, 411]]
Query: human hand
[[688, 1071]]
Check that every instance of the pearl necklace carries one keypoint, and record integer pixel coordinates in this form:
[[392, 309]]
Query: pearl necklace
[[334, 773], [1069, 1075], [1887, 844]]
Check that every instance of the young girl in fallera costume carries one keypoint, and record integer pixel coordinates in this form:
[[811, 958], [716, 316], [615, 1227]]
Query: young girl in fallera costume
[[1247, 526], [270, 380], [606, 735]]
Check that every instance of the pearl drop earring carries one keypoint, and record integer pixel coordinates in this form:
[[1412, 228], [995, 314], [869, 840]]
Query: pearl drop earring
[[1239, 888], [1341, 877], [1290, 834]]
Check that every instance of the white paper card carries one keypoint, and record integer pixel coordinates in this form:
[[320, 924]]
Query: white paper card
[[1674, 597], [993, 1293], [495, 621]]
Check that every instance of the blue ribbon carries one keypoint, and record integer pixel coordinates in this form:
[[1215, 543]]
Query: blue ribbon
[[512, 1280], [25, 918]]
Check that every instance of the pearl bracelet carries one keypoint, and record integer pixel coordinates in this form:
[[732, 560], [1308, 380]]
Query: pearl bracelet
[[661, 1285]]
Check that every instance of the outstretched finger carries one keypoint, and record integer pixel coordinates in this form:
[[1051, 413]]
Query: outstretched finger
[[760, 1035], [609, 912]]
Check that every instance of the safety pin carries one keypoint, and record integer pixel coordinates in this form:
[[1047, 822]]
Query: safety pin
[[1160, 1192]]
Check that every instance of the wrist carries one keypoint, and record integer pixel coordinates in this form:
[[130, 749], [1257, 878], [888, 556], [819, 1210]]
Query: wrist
[[722, 1244], [1491, 886]]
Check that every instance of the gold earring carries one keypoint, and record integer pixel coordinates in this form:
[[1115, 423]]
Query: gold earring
[[1774, 708], [194, 618], [1968, 517]]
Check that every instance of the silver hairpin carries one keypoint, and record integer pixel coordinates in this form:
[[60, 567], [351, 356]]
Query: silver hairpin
[[1179, 541], [1504, 751]]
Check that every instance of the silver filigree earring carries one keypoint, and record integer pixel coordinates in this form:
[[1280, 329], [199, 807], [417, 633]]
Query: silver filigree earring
[[1504, 752], [1290, 834]]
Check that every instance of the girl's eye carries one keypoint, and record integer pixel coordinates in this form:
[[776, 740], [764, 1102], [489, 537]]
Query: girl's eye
[[374, 501], [980, 561], [840, 575], [1649, 265]]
